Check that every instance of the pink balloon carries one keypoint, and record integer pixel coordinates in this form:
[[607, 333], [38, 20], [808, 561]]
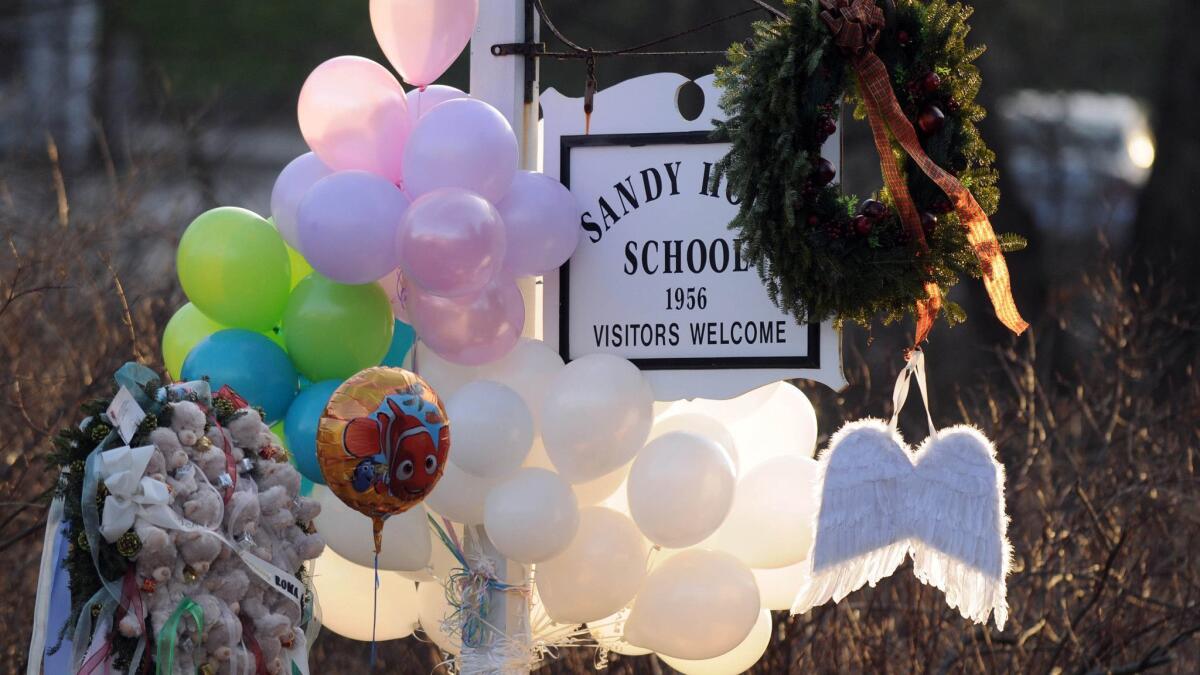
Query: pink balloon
[[293, 183], [354, 115], [472, 330], [450, 243], [463, 143], [347, 224], [393, 285], [421, 101], [541, 223], [422, 38]]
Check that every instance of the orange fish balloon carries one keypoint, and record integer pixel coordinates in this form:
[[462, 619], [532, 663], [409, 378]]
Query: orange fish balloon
[[382, 442]]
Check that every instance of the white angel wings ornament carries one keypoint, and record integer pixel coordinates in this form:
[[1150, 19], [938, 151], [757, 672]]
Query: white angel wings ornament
[[943, 505]]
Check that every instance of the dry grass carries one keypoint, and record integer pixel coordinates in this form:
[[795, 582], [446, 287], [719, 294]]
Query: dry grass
[[1099, 443]]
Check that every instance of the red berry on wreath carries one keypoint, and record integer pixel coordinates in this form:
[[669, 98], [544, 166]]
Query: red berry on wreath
[[873, 209], [828, 127], [824, 173], [813, 221], [931, 83], [928, 223], [861, 224], [903, 38], [953, 105], [931, 120]]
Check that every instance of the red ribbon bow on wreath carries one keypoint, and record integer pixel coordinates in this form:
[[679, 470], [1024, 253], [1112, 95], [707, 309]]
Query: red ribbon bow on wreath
[[856, 26]]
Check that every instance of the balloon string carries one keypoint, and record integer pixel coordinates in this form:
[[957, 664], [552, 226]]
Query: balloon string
[[375, 610]]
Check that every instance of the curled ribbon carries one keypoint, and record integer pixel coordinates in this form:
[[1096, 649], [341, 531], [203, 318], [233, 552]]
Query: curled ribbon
[[856, 26], [129, 490]]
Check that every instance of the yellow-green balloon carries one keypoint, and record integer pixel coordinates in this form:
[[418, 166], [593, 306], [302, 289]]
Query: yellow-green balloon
[[234, 266], [185, 330], [333, 330], [300, 266]]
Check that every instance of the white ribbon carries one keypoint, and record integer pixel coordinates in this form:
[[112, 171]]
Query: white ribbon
[[130, 491], [914, 368]]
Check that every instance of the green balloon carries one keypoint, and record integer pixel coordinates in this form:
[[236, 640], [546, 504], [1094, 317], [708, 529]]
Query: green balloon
[[185, 330], [333, 330], [234, 266]]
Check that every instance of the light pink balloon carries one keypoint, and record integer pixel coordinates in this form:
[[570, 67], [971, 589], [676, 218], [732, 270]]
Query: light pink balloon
[[422, 38], [293, 183], [472, 330], [463, 143], [393, 285], [354, 115], [347, 224], [450, 243], [541, 223], [421, 101]]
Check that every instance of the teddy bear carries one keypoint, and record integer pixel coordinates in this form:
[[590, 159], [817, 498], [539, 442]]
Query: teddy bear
[[227, 581], [306, 509], [165, 598], [168, 444], [272, 652], [257, 605], [203, 507], [241, 515], [211, 461], [183, 484], [223, 632], [156, 467], [198, 549], [274, 506], [271, 474], [157, 558], [188, 422], [249, 431], [298, 546]]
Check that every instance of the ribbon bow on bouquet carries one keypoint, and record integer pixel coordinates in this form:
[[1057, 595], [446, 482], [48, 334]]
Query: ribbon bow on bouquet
[[130, 491], [856, 26]]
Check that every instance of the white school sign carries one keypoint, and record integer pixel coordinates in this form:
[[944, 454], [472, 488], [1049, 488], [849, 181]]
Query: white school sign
[[659, 278]]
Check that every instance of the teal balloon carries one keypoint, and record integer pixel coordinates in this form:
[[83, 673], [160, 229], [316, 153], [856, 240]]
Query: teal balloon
[[403, 337], [251, 363], [300, 427]]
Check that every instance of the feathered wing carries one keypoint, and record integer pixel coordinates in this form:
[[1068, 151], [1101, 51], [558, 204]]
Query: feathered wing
[[860, 535], [958, 523]]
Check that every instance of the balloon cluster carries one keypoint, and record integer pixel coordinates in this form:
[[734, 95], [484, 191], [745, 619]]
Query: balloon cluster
[[624, 506], [422, 189]]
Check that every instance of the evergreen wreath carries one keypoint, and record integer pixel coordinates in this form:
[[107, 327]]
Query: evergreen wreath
[[824, 255]]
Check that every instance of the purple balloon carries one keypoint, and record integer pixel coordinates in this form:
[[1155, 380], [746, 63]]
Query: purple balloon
[[421, 101], [347, 224], [293, 183], [473, 330], [541, 223], [451, 243], [463, 143]]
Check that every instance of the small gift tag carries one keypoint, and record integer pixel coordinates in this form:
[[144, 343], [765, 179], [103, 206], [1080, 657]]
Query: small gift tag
[[125, 414]]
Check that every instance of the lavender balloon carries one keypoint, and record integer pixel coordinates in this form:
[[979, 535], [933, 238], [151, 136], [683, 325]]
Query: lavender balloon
[[393, 285], [422, 100], [472, 330], [450, 243], [541, 222], [347, 224], [354, 115], [462, 143], [293, 183]]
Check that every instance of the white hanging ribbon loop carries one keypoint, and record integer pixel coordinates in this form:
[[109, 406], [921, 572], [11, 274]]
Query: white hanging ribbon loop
[[914, 368]]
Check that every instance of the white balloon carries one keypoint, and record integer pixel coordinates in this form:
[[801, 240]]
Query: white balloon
[[596, 416], [697, 605], [778, 588], [779, 496], [701, 425], [528, 369], [599, 572], [441, 561], [532, 516], [738, 660], [349, 595], [537, 457], [445, 377], [785, 424], [492, 427], [600, 489], [609, 634], [432, 610], [406, 540], [680, 489], [731, 409], [459, 495]]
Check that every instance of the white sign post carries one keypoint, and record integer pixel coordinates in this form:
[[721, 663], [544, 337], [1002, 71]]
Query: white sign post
[[659, 277]]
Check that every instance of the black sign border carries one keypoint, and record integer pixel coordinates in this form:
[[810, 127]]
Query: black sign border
[[811, 361]]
